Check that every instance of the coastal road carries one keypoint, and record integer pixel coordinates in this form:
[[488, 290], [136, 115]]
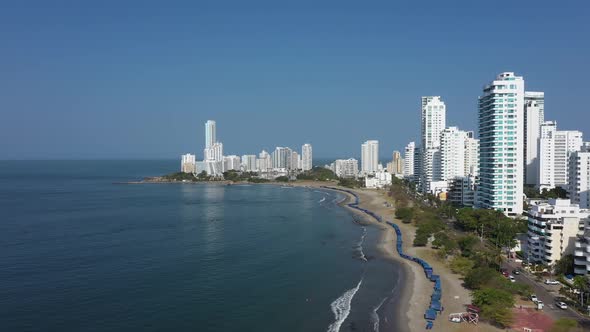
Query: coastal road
[[547, 294]]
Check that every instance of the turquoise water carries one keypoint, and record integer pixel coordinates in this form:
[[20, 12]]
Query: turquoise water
[[80, 253]]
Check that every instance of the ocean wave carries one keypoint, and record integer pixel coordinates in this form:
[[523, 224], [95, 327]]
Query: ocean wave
[[375, 315], [359, 245], [341, 307], [322, 200]]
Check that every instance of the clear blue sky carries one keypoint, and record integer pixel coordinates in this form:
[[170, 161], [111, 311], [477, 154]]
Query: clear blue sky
[[83, 79]]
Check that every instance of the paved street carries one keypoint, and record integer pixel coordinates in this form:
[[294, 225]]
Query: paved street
[[547, 294]]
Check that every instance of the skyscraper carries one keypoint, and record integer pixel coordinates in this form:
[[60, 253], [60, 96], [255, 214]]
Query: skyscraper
[[370, 157], [433, 122], [452, 150], [501, 135], [555, 149], [409, 160], [210, 132], [306, 157], [471, 155], [534, 116], [579, 174], [398, 163]]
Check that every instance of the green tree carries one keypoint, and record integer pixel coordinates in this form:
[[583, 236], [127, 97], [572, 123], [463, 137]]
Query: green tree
[[461, 265], [405, 214], [282, 179], [479, 277], [466, 244], [565, 265], [495, 304]]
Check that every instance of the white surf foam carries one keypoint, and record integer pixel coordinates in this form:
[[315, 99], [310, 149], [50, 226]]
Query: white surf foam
[[375, 316], [360, 245], [341, 307], [323, 199]]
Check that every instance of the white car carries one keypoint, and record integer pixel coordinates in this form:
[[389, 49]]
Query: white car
[[511, 278], [561, 305], [534, 298], [551, 282]]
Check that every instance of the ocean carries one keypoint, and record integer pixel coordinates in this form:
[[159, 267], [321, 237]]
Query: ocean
[[82, 253]]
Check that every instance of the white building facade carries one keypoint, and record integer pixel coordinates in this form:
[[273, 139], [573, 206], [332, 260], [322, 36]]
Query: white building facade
[[370, 157], [501, 135], [432, 124], [555, 148], [408, 171], [552, 230], [534, 116], [346, 168], [579, 177], [471, 155], [231, 163], [452, 153], [248, 163], [187, 163], [306, 157]]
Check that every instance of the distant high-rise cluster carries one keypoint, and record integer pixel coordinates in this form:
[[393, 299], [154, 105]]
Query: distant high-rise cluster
[[283, 161]]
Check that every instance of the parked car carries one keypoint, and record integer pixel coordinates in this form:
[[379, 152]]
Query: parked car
[[505, 274], [516, 271], [534, 298], [511, 278], [561, 305], [551, 282]]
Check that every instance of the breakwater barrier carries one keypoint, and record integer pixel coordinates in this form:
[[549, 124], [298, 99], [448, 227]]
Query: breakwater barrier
[[435, 299]]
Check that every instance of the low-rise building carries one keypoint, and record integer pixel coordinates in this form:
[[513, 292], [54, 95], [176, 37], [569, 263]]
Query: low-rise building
[[379, 180], [582, 251], [553, 227], [462, 191]]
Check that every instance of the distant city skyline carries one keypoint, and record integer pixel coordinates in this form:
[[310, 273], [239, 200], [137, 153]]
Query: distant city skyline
[[83, 82]]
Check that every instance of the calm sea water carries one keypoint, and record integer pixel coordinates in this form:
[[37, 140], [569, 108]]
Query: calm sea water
[[80, 253]]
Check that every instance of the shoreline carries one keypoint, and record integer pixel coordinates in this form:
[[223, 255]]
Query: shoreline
[[407, 307], [409, 288]]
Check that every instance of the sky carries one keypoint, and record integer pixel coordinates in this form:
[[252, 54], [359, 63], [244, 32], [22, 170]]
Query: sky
[[138, 79]]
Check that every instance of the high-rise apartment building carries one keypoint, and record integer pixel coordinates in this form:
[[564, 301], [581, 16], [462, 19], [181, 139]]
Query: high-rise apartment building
[[579, 177], [231, 163], [210, 133], [452, 153], [398, 163], [249, 163], [370, 157], [264, 161], [306, 157], [501, 135], [554, 151], [409, 160], [471, 155], [534, 116], [432, 123]]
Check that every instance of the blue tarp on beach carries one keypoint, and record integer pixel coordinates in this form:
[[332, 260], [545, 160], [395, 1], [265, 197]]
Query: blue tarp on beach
[[430, 314]]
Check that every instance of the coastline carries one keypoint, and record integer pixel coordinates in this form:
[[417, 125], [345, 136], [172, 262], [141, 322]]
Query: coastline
[[405, 305], [407, 308]]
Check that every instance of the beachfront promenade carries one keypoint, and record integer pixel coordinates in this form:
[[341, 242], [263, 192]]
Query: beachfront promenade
[[435, 301]]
